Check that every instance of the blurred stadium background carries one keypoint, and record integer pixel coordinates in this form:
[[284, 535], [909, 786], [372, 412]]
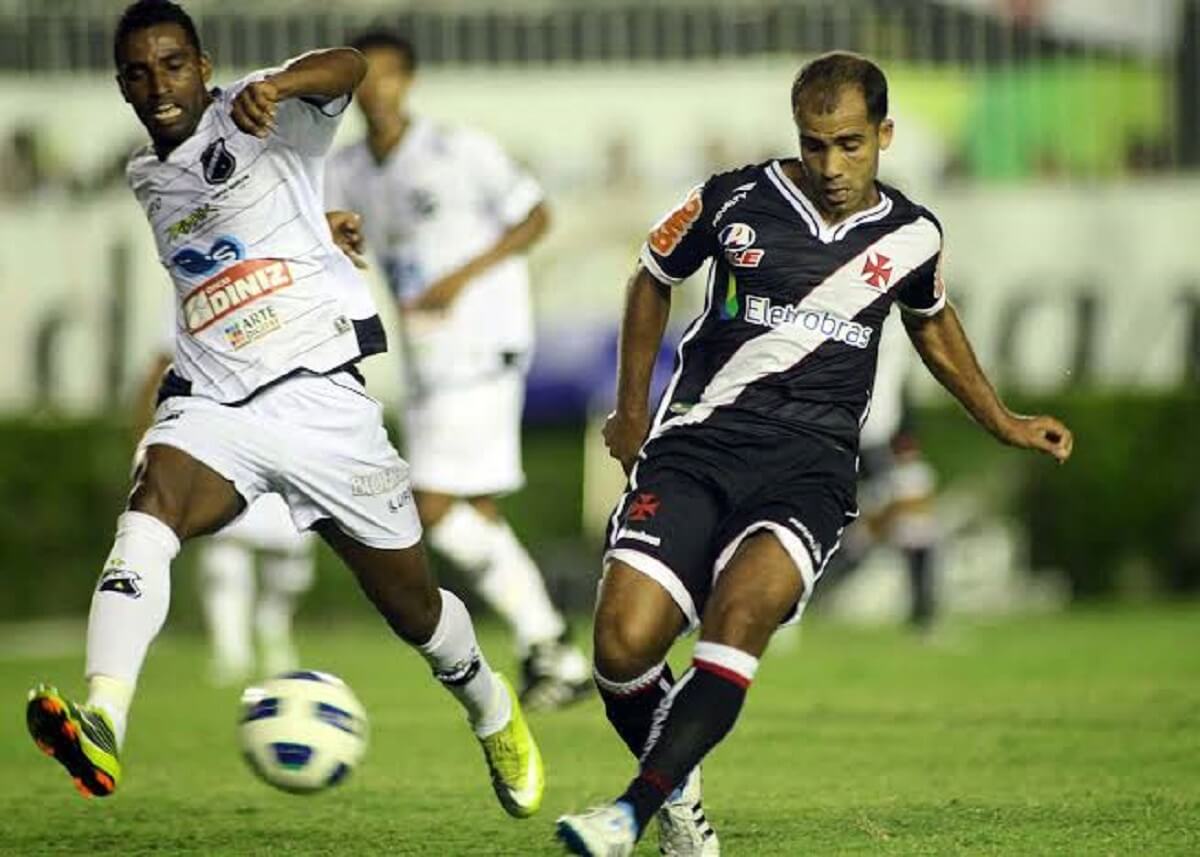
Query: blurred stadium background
[[1059, 141]]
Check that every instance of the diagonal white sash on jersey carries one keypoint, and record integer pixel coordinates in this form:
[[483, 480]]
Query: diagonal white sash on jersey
[[844, 294]]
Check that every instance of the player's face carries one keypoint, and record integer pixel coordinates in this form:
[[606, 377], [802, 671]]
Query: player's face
[[840, 151], [383, 92], [165, 79]]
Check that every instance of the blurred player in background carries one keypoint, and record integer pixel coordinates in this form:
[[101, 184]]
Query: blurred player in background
[[897, 487], [741, 485], [450, 217], [264, 395], [239, 605]]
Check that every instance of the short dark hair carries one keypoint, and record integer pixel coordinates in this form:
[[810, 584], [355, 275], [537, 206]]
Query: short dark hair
[[389, 39], [824, 77], [147, 13]]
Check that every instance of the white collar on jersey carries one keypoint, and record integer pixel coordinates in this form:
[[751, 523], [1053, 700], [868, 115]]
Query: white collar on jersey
[[812, 217]]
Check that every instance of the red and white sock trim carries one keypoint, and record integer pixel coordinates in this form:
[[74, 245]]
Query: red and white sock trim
[[634, 686], [725, 661]]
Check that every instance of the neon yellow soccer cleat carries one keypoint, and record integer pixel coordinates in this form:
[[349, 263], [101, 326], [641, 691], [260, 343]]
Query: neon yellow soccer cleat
[[80, 738], [515, 762]]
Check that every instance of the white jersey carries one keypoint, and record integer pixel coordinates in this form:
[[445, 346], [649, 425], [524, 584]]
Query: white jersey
[[261, 289], [441, 197]]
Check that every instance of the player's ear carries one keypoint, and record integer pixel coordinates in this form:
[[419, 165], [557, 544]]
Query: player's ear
[[206, 68], [886, 128], [121, 86]]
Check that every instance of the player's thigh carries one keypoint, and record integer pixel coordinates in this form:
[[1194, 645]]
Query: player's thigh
[[635, 624], [183, 492], [658, 565], [754, 593], [341, 466]]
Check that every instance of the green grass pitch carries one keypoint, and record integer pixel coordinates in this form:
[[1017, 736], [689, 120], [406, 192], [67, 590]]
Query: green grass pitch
[[1077, 734]]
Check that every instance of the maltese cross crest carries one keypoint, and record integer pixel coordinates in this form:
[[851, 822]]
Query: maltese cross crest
[[877, 270]]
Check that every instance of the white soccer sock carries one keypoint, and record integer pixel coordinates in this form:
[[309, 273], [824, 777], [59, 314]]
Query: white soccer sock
[[284, 579], [458, 664], [505, 575], [129, 607], [227, 593]]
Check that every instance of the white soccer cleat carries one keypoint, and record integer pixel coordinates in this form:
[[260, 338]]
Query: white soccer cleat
[[605, 831], [683, 831]]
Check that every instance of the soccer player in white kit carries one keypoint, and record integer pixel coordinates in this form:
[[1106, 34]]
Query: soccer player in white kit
[[450, 216], [264, 395]]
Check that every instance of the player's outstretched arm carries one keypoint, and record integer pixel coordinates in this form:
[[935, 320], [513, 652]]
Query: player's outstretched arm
[[647, 308], [516, 239], [323, 75], [943, 346]]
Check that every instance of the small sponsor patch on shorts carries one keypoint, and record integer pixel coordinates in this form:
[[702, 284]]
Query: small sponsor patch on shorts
[[382, 481], [638, 536]]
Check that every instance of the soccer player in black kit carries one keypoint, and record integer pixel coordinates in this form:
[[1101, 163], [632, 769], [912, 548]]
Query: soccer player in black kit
[[741, 483]]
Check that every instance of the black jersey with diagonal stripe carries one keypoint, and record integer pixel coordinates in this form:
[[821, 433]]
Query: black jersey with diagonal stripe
[[788, 338]]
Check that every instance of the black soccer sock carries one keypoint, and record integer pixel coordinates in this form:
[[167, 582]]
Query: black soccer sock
[[692, 719], [630, 705]]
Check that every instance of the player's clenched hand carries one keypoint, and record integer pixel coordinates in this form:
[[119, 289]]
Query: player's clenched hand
[[624, 433], [346, 228], [254, 108], [1045, 434], [440, 294]]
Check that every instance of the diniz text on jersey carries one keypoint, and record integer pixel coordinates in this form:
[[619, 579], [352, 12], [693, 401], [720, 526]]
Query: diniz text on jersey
[[232, 289], [763, 311]]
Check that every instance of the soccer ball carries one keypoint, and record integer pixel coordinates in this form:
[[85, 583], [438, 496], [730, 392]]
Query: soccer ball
[[302, 731]]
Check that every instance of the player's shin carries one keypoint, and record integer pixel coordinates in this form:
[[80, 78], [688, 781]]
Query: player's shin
[[692, 719], [458, 664], [630, 705], [128, 610]]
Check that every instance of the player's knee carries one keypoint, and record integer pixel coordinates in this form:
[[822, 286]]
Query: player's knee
[[741, 622], [155, 496], [623, 650]]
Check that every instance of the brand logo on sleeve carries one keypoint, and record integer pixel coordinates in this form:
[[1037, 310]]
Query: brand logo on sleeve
[[671, 229]]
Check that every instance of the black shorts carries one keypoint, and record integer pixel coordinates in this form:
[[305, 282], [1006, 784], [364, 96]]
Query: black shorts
[[696, 494]]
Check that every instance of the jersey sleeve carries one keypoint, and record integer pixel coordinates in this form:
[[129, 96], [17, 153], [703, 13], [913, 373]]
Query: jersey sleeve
[[307, 125], [509, 192], [680, 242], [923, 291]]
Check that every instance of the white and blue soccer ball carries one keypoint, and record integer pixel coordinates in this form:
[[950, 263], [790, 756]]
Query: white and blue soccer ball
[[303, 731]]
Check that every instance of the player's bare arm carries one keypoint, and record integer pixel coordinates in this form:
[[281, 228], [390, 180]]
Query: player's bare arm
[[346, 229], [944, 348], [326, 74], [517, 239], [647, 308]]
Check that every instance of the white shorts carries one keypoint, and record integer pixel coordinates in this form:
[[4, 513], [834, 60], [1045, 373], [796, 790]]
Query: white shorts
[[266, 525], [465, 440], [316, 440]]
